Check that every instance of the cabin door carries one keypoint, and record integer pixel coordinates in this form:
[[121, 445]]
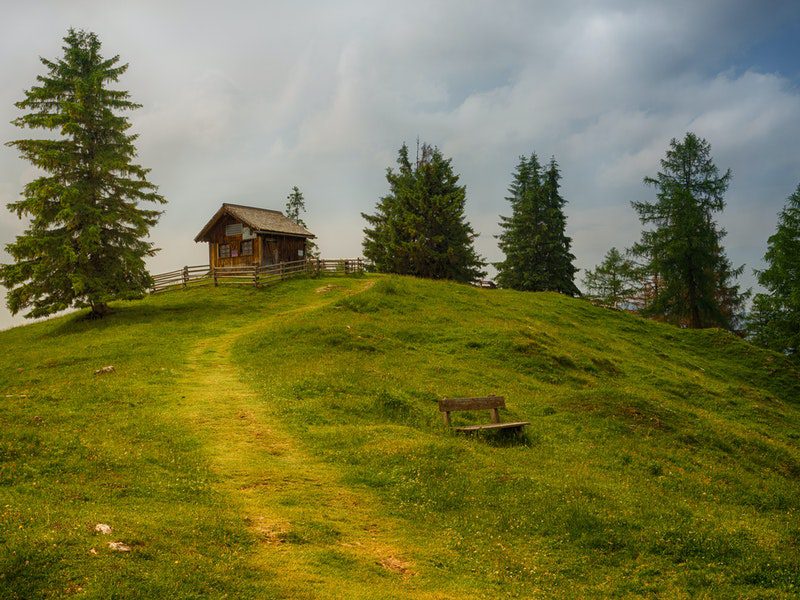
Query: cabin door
[[270, 254]]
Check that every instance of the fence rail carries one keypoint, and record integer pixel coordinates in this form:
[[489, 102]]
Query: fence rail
[[254, 275]]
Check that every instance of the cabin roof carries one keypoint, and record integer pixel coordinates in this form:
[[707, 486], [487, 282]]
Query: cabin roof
[[261, 220]]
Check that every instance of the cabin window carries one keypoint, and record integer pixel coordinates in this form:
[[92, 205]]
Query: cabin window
[[247, 248], [300, 252], [224, 251], [233, 229]]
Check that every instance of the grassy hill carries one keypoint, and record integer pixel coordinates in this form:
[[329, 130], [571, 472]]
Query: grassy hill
[[285, 443]]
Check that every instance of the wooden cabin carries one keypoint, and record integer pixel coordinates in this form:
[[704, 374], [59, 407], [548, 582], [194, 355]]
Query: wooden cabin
[[244, 235]]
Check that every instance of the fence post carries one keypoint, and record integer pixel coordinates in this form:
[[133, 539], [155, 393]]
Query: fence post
[[255, 275], [185, 276], [282, 277], [214, 276]]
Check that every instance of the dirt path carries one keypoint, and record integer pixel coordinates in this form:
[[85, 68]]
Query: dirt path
[[310, 528]]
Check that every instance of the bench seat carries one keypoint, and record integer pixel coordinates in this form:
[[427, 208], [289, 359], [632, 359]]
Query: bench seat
[[517, 425], [490, 403]]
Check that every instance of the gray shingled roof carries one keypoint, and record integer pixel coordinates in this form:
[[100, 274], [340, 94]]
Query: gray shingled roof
[[257, 219]]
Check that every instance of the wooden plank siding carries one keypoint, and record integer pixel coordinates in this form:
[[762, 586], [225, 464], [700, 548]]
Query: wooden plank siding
[[278, 248]]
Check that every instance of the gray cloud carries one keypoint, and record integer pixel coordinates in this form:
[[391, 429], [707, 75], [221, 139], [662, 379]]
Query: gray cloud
[[244, 100]]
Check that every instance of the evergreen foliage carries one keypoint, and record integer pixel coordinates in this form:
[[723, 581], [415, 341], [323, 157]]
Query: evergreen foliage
[[296, 204], [684, 249], [534, 240], [85, 243], [419, 227], [614, 282], [774, 321]]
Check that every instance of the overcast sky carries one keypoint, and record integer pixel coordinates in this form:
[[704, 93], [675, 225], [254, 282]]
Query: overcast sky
[[243, 100]]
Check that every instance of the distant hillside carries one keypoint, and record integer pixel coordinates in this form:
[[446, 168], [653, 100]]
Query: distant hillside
[[286, 443]]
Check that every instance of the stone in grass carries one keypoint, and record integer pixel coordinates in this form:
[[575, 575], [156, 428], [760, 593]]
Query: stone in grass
[[103, 528], [119, 547], [398, 565], [104, 370]]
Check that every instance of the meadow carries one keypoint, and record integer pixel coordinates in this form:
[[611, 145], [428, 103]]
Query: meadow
[[286, 443]]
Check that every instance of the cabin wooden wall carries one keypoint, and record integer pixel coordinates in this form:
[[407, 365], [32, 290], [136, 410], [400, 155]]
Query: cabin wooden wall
[[267, 248], [217, 236], [281, 248]]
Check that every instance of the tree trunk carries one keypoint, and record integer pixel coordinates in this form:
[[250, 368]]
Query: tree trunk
[[99, 310], [694, 308]]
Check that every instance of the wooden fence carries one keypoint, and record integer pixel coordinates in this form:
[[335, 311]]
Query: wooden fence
[[253, 274]]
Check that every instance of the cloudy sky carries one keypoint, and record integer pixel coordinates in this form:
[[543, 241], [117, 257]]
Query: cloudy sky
[[243, 100]]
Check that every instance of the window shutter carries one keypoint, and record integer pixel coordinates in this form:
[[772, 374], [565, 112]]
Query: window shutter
[[233, 229]]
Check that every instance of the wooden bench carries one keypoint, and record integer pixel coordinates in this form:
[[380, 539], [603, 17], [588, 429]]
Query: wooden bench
[[492, 403]]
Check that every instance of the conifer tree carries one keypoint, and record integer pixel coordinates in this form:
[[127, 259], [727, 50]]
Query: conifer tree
[[684, 248], [296, 204], [419, 227], [558, 258], [614, 282], [534, 240], [522, 268], [774, 321], [85, 243]]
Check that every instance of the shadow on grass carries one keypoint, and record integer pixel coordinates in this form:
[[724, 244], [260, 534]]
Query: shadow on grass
[[503, 438]]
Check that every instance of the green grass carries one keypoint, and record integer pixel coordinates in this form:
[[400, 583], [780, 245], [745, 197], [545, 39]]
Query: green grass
[[286, 443]]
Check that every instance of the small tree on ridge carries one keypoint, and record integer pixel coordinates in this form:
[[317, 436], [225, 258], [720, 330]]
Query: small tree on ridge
[[614, 283], [296, 204]]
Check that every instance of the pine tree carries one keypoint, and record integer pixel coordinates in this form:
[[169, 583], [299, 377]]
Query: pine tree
[[774, 321], [684, 249], [558, 258], [534, 240], [522, 268], [614, 282], [296, 204], [419, 228], [85, 244]]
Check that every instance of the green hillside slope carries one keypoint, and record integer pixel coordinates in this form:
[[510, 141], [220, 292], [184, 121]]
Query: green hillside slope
[[286, 443]]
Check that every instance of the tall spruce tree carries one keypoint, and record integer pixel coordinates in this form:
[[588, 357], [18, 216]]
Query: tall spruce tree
[[774, 321], [85, 243], [296, 204], [523, 268], [534, 240], [419, 227], [559, 259], [684, 249]]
